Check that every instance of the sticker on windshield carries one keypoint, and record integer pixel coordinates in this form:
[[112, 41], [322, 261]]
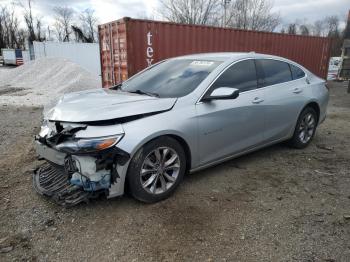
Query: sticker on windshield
[[202, 63]]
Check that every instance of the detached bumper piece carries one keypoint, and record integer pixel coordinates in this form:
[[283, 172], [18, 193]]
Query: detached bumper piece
[[53, 182]]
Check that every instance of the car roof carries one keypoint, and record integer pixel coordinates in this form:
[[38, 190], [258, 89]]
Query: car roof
[[229, 56]]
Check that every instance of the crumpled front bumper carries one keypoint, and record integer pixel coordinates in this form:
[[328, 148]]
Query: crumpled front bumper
[[72, 179], [51, 181], [50, 154]]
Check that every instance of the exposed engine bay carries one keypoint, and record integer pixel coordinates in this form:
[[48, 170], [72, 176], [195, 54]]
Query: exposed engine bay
[[78, 167]]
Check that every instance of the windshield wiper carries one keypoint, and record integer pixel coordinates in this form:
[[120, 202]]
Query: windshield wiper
[[140, 92], [116, 87]]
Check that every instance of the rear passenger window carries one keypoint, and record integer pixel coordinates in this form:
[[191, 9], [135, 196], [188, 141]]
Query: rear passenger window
[[241, 76], [296, 72], [275, 72]]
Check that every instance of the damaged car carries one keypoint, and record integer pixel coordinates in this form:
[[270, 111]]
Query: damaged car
[[180, 115]]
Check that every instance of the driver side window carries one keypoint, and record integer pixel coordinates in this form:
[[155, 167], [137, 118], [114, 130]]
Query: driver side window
[[241, 75]]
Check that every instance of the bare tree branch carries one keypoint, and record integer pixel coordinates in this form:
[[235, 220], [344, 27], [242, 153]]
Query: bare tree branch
[[292, 29], [304, 29], [63, 22], [202, 12], [318, 28], [10, 34], [244, 14], [332, 25], [88, 22], [253, 15]]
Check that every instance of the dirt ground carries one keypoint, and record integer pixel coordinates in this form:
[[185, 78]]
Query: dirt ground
[[278, 204]]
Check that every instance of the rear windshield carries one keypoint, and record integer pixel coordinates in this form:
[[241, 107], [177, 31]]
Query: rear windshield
[[172, 78]]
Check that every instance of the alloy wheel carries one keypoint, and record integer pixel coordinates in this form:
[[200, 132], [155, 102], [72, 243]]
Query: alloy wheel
[[307, 128], [160, 170]]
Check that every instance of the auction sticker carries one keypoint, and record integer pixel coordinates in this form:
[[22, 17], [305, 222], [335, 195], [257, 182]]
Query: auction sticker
[[202, 63]]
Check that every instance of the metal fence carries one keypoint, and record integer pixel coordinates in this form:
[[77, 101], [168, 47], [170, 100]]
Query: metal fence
[[84, 54]]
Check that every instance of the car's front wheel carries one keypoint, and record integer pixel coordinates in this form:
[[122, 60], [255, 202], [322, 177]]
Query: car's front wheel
[[305, 128], [156, 170]]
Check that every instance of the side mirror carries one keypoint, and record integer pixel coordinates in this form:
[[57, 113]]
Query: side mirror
[[222, 93]]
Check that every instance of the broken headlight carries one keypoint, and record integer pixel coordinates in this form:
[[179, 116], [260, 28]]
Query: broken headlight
[[88, 145]]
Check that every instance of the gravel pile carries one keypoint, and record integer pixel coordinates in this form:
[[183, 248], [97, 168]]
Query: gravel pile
[[41, 81]]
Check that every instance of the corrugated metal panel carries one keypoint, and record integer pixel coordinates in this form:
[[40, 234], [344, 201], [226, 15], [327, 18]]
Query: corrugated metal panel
[[113, 53], [84, 54], [145, 42], [9, 56], [26, 56]]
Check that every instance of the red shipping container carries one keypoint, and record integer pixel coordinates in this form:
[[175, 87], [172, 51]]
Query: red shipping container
[[129, 45]]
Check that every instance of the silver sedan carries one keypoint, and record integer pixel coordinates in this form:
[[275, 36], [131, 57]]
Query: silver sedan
[[179, 115]]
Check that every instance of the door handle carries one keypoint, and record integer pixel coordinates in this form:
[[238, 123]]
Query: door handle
[[257, 100], [297, 90]]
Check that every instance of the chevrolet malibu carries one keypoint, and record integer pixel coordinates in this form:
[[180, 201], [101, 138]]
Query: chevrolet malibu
[[177, 116]]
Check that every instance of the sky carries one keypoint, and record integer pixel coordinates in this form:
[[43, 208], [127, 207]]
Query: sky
[[109, 10]]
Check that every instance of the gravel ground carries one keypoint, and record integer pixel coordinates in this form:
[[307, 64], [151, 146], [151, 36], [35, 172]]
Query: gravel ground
[[41, 81], [278, 204]]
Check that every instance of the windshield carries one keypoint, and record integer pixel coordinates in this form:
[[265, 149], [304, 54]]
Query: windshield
[[172, 78]]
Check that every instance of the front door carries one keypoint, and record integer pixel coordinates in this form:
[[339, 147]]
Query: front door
[[227, 127]]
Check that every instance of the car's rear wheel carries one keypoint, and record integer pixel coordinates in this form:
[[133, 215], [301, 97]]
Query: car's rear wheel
[[305, 128], [156, 170]]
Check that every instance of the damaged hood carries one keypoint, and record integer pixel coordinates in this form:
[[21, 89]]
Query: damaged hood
[[105, 104]]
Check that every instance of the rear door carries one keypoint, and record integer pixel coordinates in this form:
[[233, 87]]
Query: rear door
[[230, 126], [284, 86]]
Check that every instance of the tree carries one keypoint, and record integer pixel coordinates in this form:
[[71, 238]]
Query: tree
[[202, 12], [318, 28], [88, 22], [58, 29], [34, 25], [48, 33], [244, 14], [10, 34], [13, 24], [80, 36], [253, 15], [332, 26], [304, 30], [28, 18], [63, 22], [332, 30], [292, 29]]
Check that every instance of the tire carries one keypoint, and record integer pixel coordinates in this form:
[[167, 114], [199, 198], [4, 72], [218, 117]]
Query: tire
[[150, 177], [307, 123]]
